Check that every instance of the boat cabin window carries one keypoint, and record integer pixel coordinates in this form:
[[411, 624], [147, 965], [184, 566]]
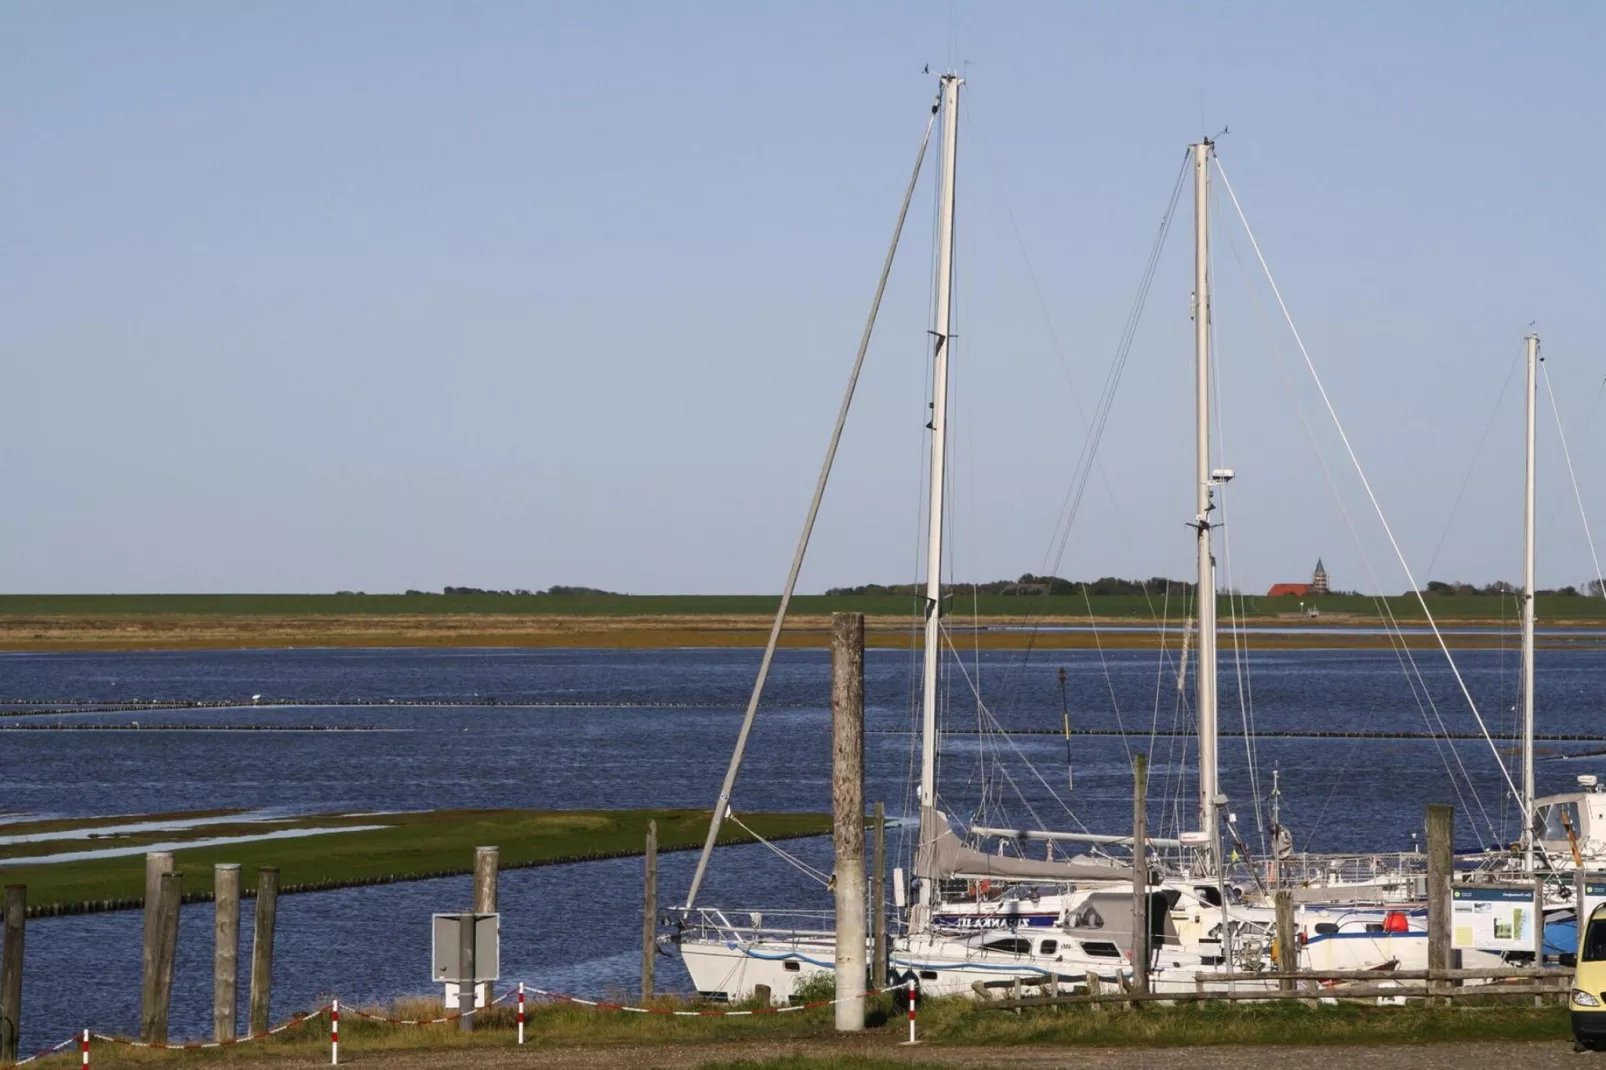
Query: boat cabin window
[[928, 975], [1100, 949], [1208, 894], [1048, 947], [1326, 928], [1595, 941], [1374, 926], [791, 966], [1551, 815], [1014, 945]]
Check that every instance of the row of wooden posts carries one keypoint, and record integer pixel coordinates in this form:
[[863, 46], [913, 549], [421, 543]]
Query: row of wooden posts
[[164, 891]]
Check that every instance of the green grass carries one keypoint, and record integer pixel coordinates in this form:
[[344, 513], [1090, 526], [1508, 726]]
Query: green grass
[[963, 1022], [416, 844], [1449, 607], [826, 1062]]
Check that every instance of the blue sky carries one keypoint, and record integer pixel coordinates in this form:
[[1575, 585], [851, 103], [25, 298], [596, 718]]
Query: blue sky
[[302, 296]]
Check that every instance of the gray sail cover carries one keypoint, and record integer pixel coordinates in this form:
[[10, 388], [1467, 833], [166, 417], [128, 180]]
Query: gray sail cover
[[953, 859]]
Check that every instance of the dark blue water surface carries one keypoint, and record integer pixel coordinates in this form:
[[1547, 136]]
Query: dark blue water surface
[[658, 733]]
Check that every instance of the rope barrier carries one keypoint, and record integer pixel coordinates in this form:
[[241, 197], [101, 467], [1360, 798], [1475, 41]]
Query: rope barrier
[[53, 1049], [603, 1005], [300, 1019], [83, 1038]]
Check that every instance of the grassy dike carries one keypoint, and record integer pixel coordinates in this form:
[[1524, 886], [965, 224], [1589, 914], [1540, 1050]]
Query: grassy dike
[[234, 621], [953, 1032], [407, 846]]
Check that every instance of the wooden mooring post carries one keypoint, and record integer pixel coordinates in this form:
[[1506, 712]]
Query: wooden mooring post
[[262, 947], [487, 864], [157, 865], [225, 950], [847, 802], [649, 915], [1140, 873], [878, 900], [16, 906], [1441, 839], [159, 956], [1287, 941]]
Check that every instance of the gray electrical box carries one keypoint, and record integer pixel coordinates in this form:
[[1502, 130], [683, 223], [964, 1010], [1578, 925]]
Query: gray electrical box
[[446, 957]]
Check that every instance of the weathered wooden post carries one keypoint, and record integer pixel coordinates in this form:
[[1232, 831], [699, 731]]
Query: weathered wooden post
[[262, 947], [1140, 873], [11, 972], [847, 800], [163, 949], [1287, 945], [1539, 927], [649, 913], [1441, 838], [225, 950], [878, 900], [157, 864], [487, 862]]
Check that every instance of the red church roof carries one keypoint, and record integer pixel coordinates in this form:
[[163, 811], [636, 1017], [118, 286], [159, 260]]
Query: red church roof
[[1280, 589]]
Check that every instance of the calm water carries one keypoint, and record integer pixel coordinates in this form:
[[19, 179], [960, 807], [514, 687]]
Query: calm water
[[577, 927]]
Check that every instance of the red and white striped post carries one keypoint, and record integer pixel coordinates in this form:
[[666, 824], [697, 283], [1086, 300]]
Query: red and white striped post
[[334, 1032], [912, 998], [521, 1012], [83, 1048]]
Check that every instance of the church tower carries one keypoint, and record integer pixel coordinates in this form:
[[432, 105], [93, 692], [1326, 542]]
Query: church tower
[[1318, 579]]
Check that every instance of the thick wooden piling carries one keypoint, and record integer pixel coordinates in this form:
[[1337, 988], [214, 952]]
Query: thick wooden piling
[[225, 950], [487, 863], [160, 956], [16, 901], [1140, 872], [262, 947], [1287, 942], [1441, 838], [649, 913], [878, 900], [157, 865], [847, 800]]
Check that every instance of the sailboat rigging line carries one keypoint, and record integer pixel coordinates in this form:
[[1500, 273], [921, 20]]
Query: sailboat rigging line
[[1366, 483], [1109, 681], [790, 859], [1472, 468], [1572, 475], [722, 804], [1239, 652], [1004, 733], [1386, 616]]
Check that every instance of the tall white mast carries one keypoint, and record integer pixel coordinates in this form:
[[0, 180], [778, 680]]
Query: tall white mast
[[1205, 699], [941, 330], [1528, 615]]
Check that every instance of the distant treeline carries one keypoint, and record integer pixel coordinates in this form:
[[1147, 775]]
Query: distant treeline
[[1591, 589], [558, 590], [1030, 584]]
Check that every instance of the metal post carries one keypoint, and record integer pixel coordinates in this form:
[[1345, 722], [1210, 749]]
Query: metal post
[[1539, 929], [162, 951], [466, 973], [878, 900], [262, 947], [847, 799], [11, 972], [1441, 837], [1287, 940], [225, 950], [1528, 617], [1140, 873], [334, 1032], [649, 915], [521, 1012]]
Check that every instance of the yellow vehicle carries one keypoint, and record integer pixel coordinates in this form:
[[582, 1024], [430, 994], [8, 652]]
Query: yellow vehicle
[[1588, 1001]]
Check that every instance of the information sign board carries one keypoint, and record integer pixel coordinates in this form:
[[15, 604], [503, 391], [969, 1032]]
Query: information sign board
[[1493, 919]]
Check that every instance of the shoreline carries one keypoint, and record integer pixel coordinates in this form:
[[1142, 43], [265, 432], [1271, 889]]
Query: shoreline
[[178, 632]]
